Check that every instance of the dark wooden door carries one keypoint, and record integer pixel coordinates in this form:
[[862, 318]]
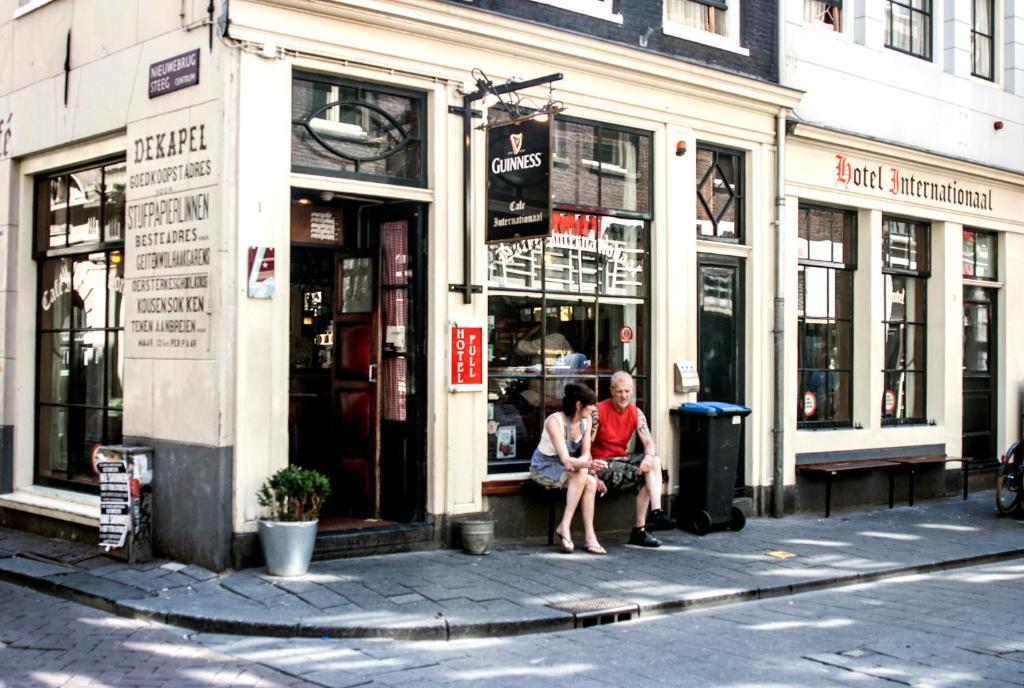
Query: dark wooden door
[[979, 374]]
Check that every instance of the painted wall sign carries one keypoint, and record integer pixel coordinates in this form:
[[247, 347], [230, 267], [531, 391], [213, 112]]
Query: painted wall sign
[[894, 181], [172, 229], [174, 73], [6, 133], [518, 180], [466, 358]]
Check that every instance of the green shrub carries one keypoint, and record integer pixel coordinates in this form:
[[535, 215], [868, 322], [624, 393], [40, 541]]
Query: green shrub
[[294, 494]]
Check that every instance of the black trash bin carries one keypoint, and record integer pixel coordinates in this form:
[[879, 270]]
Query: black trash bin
[[708, 453]]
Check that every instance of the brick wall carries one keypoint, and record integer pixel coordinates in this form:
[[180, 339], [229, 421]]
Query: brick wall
[[757, 31]]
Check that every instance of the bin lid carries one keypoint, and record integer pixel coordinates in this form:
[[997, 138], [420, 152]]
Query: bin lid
[[714, 408]]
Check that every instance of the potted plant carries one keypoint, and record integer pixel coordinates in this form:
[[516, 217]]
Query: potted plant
[[294, 496]]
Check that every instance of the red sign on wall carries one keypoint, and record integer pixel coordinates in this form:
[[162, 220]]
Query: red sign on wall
[[466, 358]]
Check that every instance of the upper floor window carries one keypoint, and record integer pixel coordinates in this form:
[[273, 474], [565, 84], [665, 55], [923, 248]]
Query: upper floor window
[[719, 194], [827, 13], [712, 22], [983, 39], [602, 9], [979, 251], [908, 27]]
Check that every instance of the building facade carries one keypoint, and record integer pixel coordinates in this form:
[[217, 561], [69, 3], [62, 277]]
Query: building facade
[[246, 237], [904, 225]]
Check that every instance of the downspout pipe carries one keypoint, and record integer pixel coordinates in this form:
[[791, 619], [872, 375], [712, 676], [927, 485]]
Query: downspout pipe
[[779, 415]]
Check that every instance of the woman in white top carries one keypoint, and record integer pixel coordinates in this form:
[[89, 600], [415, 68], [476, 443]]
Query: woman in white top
[[562, 460]]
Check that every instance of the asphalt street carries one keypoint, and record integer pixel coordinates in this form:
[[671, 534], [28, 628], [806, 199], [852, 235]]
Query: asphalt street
[[959, 627]]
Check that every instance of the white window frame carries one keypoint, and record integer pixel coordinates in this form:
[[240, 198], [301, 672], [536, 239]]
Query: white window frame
[[730, 41], [26, 6], [821, 26], [600, 9]]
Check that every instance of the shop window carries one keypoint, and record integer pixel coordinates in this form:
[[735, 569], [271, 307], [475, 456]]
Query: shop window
[[602, 9], [908, 27], [572, 307], [719, 194], [826, 13], [346, 129], [983, 38], [979, 255], [79, 223], [713, 22], [905, 268], [827, 260]]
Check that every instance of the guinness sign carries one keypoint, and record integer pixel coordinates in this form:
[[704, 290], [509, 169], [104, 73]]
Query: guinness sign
[[519, 180]]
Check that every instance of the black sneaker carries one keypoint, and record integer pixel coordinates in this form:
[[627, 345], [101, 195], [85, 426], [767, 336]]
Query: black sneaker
[[659, 520], [641, 538]]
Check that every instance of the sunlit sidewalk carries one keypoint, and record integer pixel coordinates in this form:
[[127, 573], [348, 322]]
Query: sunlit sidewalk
[[526, 587]]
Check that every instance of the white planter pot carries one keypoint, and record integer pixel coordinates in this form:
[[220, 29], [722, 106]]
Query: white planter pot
[[287, 546]]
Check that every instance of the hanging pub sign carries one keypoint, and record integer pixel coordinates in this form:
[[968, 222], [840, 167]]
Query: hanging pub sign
[[519, 180]]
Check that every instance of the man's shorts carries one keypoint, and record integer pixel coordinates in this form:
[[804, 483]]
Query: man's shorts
[[623, 472]]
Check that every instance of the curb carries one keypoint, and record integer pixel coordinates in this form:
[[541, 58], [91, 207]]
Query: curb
[[444, 628]]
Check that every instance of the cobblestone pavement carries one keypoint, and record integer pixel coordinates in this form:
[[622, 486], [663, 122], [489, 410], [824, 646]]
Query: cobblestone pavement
[[54, 643], [956, 628], [443, 594]]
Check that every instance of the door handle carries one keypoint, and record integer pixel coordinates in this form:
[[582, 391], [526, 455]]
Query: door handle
[[371, 374]]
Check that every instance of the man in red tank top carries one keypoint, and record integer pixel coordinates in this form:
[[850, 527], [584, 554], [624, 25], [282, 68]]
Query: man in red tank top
[[615, 421]]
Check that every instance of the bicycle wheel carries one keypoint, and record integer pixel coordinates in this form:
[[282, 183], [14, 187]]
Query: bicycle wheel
[[1007, 493]]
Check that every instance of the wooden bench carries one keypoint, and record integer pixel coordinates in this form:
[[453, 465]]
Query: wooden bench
[[555, 498], [911, 462], [830, 469]]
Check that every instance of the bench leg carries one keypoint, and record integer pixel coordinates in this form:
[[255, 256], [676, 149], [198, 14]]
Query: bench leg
[[828, 495], [911, 486], [551, 519], [963, 469], [892, 488]]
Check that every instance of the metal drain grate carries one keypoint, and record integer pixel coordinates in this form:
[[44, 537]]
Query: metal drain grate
[[598, 611]]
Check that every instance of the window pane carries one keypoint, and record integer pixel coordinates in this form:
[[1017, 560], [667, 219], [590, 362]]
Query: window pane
[[614, 352], [54, 372], [624, 156], [916, 296], [90, 367], [985, 256], [843, 294], [915, 347], [817, 297], [575, 178], [115, 290], [705, 192], [841, 355], [976, 334], [899, 27], [515, 265], [514, 420], [622, 256], [84, 199], [894, 353], [89, 297], [52, 459], [51, 213], [814, 344], [113, 201], [840, 388], [569, 338], [921, 31], [85, 431], [55, 302], [514, 336], [115, 368], [968, 253]]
